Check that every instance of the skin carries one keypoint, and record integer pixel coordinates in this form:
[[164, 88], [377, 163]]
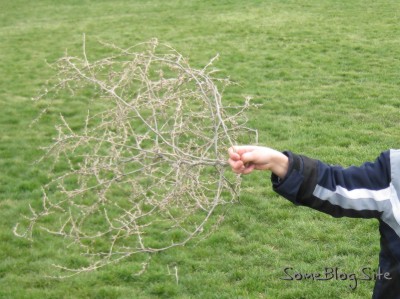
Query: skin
[[247, 158]]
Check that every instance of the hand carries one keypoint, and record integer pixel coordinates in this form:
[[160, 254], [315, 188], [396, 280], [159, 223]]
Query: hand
[[245, 159]]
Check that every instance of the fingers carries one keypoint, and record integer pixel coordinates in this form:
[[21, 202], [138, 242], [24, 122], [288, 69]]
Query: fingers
[[247, 154], [248, 157], [233, 154], [243, 149], [249, 167], [241, 168], [236, 161], [236, 165]]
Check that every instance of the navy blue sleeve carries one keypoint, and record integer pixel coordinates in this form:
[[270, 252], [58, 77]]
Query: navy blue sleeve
[[362, 191]]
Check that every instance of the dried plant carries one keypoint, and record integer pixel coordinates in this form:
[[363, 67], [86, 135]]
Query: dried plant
[[146, 168]]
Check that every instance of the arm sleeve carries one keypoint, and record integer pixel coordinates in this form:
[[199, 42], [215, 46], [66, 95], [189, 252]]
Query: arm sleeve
[[361, 192]]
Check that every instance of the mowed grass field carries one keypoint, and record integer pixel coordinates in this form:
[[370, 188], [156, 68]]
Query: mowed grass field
[[327, 76]]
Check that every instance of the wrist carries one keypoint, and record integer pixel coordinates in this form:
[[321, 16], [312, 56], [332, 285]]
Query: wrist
[[280, 164]]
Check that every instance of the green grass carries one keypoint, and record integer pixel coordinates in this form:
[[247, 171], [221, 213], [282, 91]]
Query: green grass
[[327, 75]]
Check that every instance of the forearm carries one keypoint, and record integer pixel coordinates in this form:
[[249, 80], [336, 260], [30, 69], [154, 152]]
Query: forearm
[[353, 192]]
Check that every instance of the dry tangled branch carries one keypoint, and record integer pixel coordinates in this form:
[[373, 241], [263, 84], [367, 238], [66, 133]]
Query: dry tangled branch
[[146, 169]]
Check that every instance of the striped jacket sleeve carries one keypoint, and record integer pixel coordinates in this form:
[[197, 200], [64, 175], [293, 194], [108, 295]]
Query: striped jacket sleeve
[[363, 192]]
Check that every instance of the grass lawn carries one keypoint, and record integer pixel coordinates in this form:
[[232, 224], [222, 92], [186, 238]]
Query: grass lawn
[[327, 75]]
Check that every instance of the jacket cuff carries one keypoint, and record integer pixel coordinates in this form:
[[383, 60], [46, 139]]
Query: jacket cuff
[[299, 183], [290, 185]]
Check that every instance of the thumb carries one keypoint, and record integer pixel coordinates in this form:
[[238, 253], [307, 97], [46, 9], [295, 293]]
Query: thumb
[[248, 157]]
